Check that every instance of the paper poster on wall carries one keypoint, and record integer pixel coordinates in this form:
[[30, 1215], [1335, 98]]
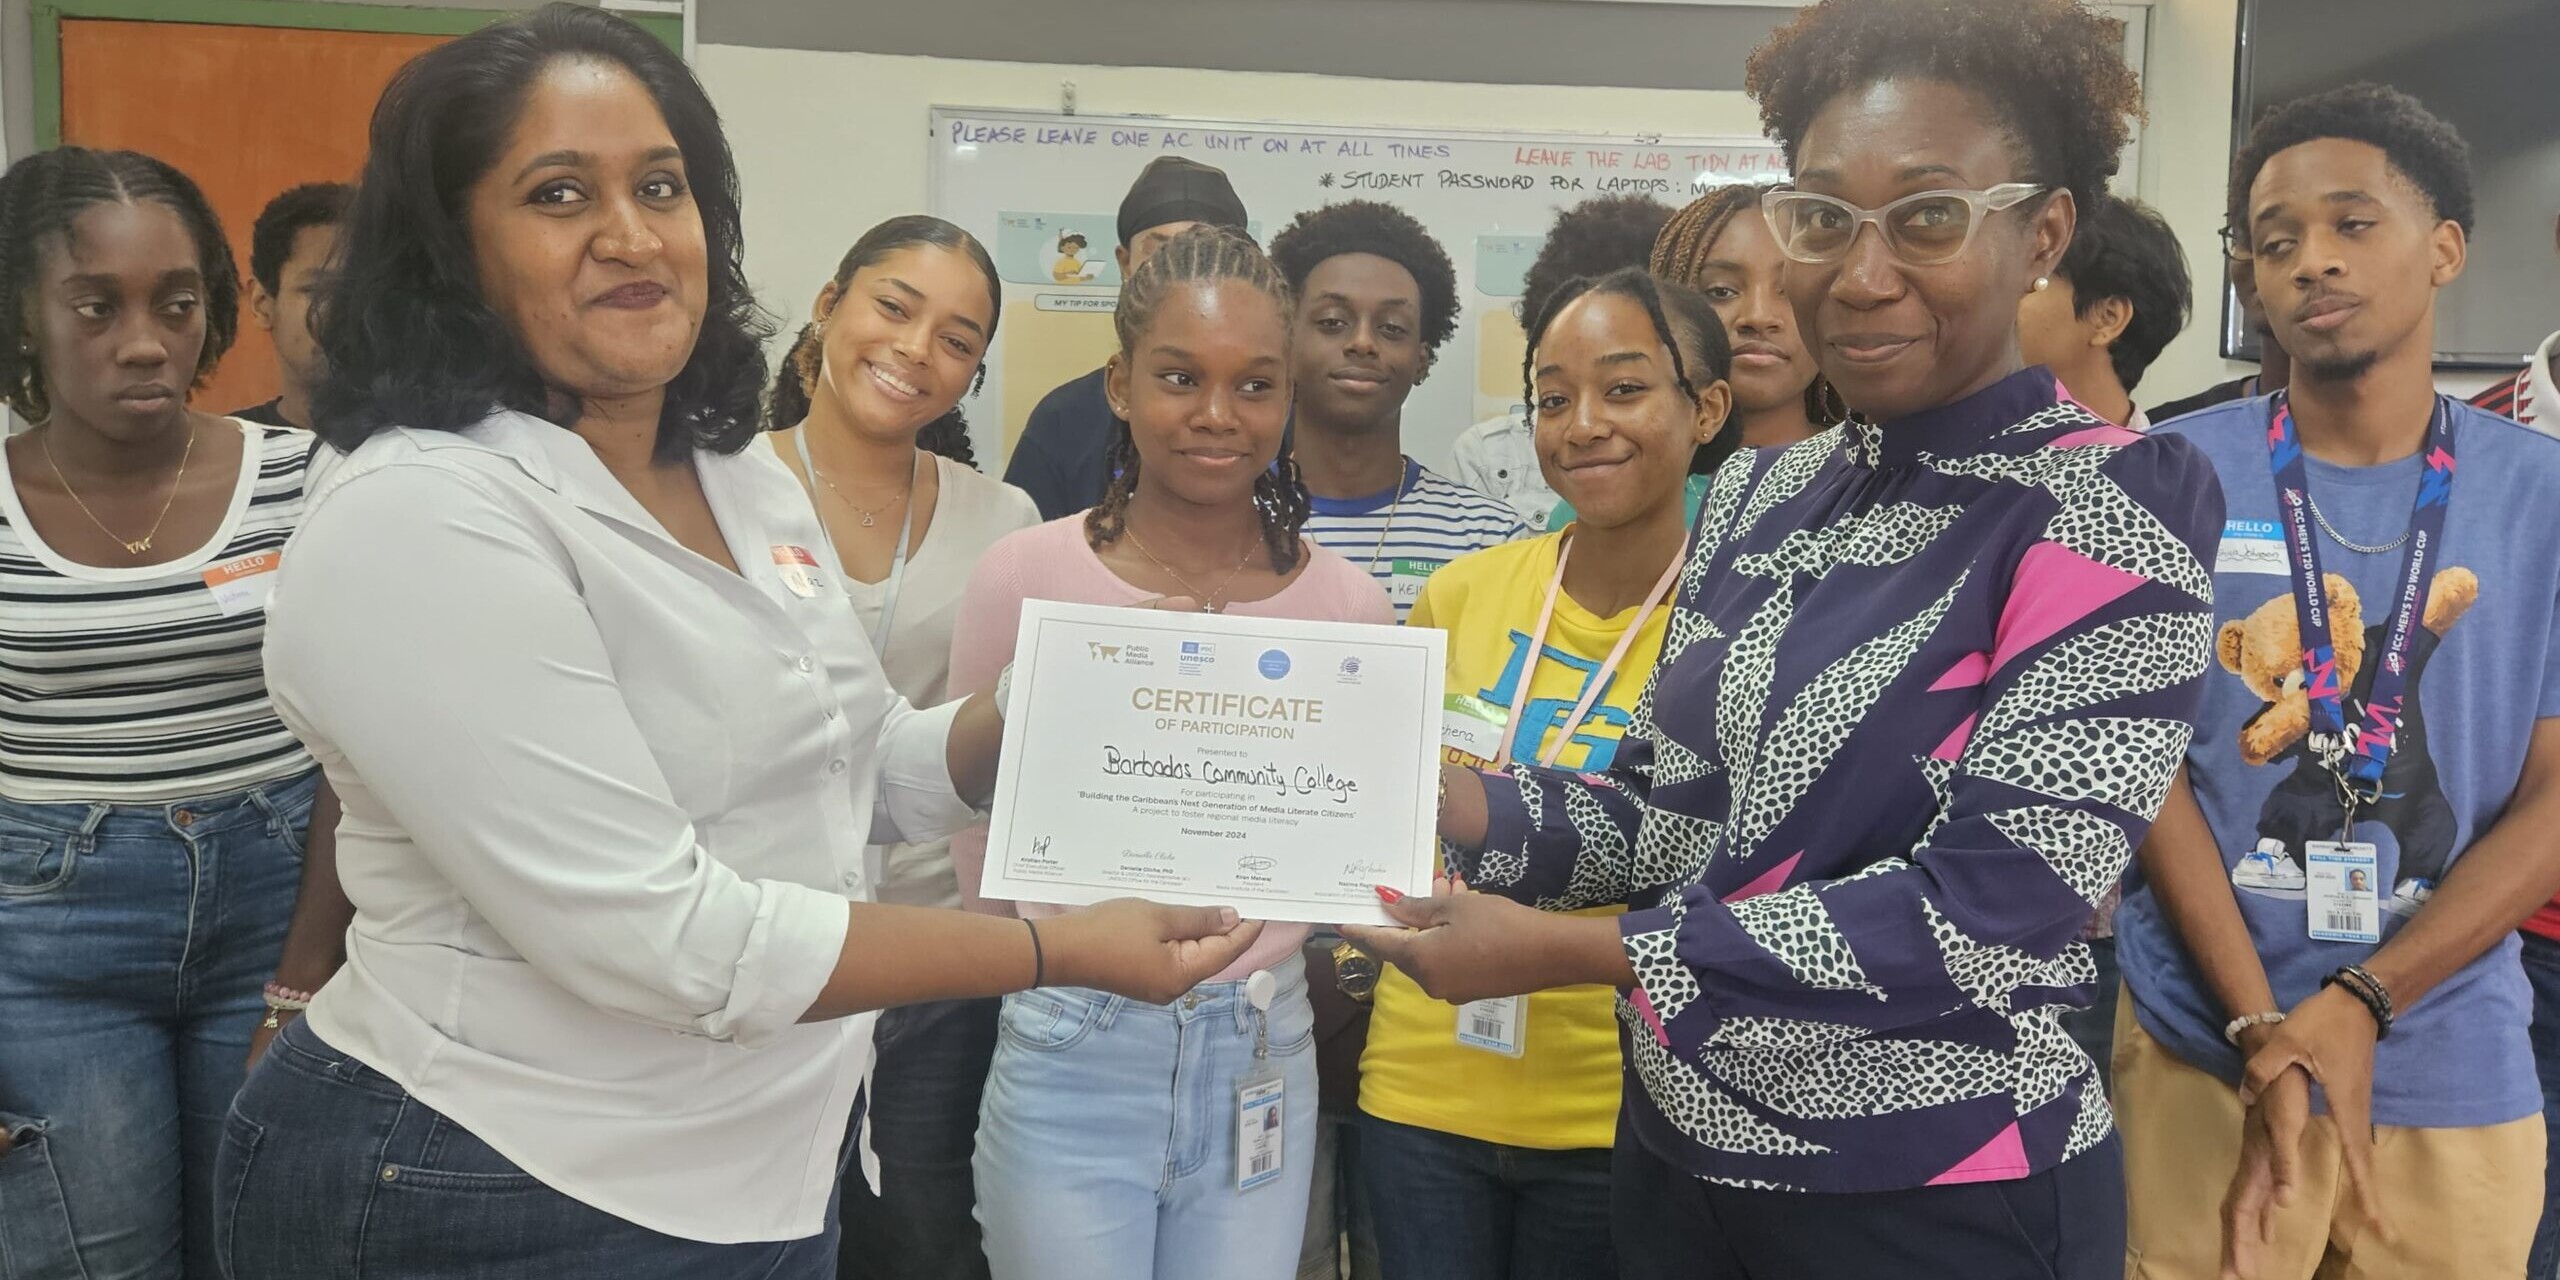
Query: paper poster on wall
[[1057, 248], [1487, 197]]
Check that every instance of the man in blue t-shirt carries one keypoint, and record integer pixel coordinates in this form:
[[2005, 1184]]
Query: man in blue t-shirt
[[2276, 933]]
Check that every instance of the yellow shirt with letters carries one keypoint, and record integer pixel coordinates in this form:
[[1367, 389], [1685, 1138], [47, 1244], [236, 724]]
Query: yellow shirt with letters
[[1562, 1091]]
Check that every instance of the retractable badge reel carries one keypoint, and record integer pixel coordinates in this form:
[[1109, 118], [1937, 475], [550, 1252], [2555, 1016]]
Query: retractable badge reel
[[1259, 1104]]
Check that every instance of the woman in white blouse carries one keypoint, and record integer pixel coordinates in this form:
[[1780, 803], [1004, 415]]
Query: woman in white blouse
[[872, 390], [608, 738]]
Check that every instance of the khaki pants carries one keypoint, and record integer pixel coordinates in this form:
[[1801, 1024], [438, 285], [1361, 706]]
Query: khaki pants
[[2462, 1202]]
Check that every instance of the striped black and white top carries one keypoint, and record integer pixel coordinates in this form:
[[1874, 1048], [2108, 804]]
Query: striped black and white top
[[144, 685], [1402, 536]]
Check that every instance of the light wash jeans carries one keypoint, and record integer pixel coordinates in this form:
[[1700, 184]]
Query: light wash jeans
[[1107, 1140]]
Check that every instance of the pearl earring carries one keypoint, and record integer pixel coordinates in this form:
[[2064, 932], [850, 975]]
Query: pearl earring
[[2043, 283]]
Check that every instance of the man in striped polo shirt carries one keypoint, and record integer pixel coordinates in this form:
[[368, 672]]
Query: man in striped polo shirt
[[1376, 298]]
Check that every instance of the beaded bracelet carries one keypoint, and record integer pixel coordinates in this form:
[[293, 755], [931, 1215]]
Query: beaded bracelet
[[285, 999], [2368, 990], [2231, 1031]]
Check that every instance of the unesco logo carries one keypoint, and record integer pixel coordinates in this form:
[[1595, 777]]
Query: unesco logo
[[1273, 664]]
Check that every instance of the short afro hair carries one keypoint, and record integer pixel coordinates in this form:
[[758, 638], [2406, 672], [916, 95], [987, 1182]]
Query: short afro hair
[[1592, 239], [313, 204], [1366, 226], [2053, 71], [2420, 145], [2123, 250]]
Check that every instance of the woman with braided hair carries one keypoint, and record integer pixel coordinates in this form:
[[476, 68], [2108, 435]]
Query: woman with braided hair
[[1485, 1130], [1089, 1166], [870, 392], [1720, 246], [155, 814]]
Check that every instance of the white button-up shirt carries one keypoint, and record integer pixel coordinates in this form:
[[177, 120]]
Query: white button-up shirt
[[604, 804]]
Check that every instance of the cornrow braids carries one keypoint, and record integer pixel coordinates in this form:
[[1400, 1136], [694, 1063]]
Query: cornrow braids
[[1683, 321], [1680, 256], [1201, 255], [947, 435], [43, 195]]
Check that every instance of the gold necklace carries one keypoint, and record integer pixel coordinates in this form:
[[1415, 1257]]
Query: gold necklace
[[131, 546], [1381, 546], [1208, 600], [869, 516]]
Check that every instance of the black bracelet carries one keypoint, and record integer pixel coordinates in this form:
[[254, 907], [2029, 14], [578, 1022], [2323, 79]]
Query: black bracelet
[[1039, 962], [2356, 981]]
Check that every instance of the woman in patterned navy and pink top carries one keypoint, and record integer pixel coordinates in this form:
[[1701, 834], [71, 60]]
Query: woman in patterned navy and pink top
[[1925, 685]]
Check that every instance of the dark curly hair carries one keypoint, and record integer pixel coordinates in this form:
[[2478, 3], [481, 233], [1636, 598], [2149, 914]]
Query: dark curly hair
[[947, 435], [2124, 250], [43, 194], [1367, 226], [408, 337], [1202, 255], [313, 204], [2053, 71], [2420, 145], [1684, 322], [1592, 238]]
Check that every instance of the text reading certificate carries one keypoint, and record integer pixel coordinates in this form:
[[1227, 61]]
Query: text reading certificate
[[1282, 768]]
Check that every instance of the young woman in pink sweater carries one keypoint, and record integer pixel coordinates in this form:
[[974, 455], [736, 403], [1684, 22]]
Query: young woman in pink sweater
[[1107, 1138]]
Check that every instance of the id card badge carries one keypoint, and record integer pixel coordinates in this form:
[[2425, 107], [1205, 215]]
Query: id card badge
[[1260, 1121], [1492, 1025], [1405, 579], [798, 568], [1472, 728], [2344, 899], [242, 585]]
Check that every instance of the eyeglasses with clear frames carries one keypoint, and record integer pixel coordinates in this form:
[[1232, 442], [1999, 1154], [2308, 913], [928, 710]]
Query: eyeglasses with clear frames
[[1923, 229]]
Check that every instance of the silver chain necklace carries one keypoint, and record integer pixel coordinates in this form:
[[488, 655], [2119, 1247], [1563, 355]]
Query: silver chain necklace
[[2341, 539]]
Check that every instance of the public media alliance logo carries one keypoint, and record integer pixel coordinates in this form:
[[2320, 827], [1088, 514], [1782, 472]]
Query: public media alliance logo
[[1125, 655], [1273, 664]]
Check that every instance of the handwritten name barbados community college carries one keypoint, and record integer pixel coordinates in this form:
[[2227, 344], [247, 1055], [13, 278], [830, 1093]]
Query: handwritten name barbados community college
[[1282, 780]]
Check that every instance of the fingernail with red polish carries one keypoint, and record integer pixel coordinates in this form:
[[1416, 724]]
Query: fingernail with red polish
[[1389, 896]]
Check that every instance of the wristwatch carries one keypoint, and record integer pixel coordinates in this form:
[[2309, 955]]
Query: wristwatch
[[1355, 972]]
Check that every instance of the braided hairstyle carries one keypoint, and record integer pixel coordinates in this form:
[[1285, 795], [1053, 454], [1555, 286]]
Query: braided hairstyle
[[1201, 256], [1680, 255], [1683, 321], [947, 435], [43, 194]]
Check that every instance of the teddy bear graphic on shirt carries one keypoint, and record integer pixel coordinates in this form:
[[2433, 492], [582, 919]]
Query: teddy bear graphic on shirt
[[2265, 650]]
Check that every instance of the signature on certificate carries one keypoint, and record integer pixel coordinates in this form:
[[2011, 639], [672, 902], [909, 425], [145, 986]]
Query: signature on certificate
[[1371, 871]]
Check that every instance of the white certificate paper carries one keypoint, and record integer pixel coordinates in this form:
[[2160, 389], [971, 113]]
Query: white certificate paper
[[1279, 767]]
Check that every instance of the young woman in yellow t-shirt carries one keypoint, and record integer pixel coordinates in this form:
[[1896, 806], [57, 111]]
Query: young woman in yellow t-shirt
[[1485, 1130]]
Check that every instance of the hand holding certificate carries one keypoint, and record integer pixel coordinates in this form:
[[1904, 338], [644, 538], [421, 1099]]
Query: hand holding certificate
[[1283, 768]]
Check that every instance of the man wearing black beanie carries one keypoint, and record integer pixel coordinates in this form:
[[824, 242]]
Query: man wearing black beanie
[[1059, 458]]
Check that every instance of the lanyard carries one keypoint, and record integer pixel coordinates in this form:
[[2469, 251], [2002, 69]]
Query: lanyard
[[2357, 764], [898, 561], [1599, 679]]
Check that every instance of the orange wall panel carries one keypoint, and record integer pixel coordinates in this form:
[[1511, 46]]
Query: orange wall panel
[[245, 111]]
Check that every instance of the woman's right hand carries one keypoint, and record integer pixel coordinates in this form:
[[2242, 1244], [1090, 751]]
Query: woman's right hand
[[1142, 950]]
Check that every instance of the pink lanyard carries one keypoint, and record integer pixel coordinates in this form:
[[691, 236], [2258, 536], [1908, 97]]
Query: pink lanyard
[[1599, 679]]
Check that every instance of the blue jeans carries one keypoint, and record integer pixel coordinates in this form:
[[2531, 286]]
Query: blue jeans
[[1453, 1208], [330, 1171], [134, 943], [1107, 1142], [2542, 970], [925, 1088]]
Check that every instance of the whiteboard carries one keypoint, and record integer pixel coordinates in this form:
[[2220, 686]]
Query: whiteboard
[[1028, 182]]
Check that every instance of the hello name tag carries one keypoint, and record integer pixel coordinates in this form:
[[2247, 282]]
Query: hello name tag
[[1405, 578], [242, 585], [2251, 546], [798, 568]]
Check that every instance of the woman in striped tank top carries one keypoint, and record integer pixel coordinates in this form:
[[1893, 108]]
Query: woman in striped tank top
[[153, 812]]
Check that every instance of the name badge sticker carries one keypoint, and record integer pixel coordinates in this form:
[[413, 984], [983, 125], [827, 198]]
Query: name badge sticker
[[2344, 900], [798, 568], [2251, 546], [242, 585], [1471, 727], [1405, 578]]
